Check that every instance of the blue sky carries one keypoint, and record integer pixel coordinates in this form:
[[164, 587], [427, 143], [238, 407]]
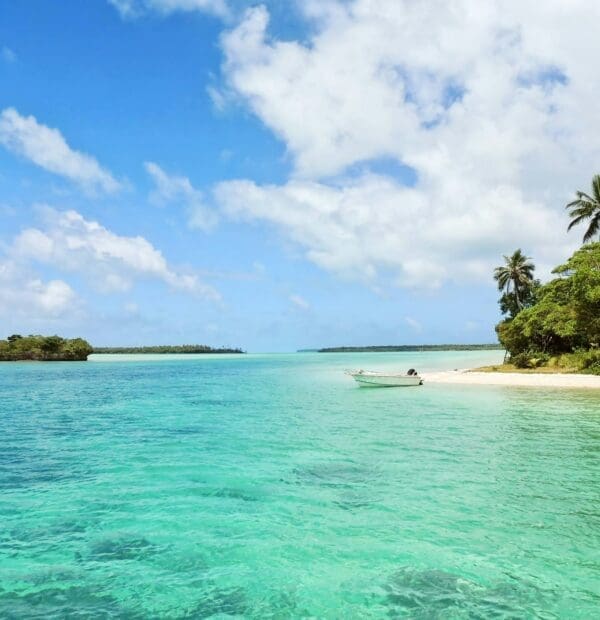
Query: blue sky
[[279, 176]]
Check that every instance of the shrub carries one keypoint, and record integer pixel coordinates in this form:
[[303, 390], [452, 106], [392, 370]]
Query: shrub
[[521, 360], [590, 362], [530, 360], [540, 359]]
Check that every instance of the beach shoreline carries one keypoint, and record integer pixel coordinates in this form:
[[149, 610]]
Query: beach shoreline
[[550, 380]]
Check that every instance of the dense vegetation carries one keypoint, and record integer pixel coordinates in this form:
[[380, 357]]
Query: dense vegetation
[[55, 348], [43, 348], [184, 348], [556, 324], [411, 348]]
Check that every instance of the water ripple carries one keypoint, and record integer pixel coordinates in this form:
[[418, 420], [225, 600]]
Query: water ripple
[[271, 487]]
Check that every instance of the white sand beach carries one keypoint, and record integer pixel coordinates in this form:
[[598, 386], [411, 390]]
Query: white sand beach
[[465, 377]]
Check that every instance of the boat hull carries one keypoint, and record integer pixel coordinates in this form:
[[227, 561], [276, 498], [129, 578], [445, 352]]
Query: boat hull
[[365, 379]]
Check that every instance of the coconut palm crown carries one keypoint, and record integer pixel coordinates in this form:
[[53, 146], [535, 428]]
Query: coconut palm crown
[[587, 208], [515, 276]]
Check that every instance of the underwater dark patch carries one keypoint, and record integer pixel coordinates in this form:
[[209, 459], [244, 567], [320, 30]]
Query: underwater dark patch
[[515, 599], [354, 501], [15, 478], [67, 527], [180, 561], [279, 605], [56, 602], [25, 466], [218, 601], [229, 493], [208, 402], [53, 576], [13, 455], [188, 430], [212, 402], [120, 548], [424, 594], [428, 592], [55, 535], [334, 474]]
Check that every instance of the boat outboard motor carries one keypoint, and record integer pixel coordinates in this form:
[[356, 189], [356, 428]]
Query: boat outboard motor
[[412, 372]]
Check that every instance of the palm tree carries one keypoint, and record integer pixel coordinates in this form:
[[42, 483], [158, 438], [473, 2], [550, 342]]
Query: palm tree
[[515, 276], [587, 207]]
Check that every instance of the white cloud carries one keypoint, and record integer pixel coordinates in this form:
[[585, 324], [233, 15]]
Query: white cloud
[[375, 224], [134, 8], [24, 294], [178, 189], [300, 302], [47, 148], [110, 261], [9, 56], [492, 106]]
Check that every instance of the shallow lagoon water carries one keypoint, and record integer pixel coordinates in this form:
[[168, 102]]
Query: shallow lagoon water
[[269, 486]]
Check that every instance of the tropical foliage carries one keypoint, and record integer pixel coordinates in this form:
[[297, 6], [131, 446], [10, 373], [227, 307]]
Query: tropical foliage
[[515, 278], [556, 324], [43, 348], [586, 208], [564, 317]]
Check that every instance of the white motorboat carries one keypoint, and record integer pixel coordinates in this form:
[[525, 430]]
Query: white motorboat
[[368, 378]]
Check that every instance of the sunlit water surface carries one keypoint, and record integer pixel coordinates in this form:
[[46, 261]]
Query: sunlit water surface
[[269, 486]]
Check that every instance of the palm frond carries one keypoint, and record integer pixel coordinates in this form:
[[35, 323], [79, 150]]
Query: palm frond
[[596, 187], [576, 221], [593, 228], [581, 206], [516, 275], [586, 207], [584, 197]]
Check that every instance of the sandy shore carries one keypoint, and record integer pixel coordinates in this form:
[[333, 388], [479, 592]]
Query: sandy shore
[[464, 377]]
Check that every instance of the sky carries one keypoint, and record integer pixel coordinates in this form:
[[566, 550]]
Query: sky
[[286, 175]]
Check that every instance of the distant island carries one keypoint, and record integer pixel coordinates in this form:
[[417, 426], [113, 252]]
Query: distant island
[[162, 349], [412, 348], [38, 348], [56, 349]]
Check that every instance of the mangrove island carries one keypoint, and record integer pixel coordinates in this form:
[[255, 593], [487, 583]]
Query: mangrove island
[[44, 349]]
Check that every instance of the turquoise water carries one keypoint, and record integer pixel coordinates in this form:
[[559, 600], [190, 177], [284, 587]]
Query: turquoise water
[[269, 486]]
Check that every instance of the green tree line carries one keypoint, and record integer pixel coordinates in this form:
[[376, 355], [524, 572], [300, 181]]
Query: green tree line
[[183, 348], [43, 348], [556, 323], [411, 348]]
